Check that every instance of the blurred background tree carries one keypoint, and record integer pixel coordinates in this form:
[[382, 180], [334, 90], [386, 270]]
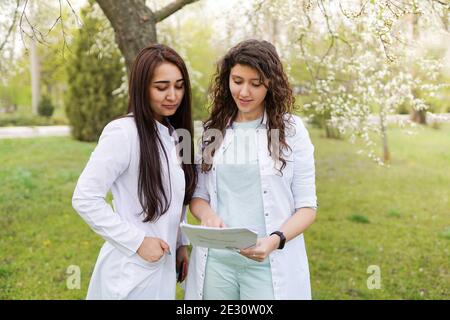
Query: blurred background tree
[[95, 73], [351, 63], [134, 23], [364, 60]]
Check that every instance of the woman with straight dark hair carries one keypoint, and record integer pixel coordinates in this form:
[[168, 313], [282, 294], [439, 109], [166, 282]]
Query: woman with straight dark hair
[[136, 159], [261, 176]]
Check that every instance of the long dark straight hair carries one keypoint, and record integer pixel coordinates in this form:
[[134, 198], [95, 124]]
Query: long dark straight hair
[[152, 196]]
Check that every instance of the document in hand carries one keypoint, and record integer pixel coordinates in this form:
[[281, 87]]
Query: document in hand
[[219, 238]]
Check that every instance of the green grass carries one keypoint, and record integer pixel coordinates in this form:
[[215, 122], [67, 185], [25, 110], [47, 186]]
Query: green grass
[[358, 218], [397, 218]]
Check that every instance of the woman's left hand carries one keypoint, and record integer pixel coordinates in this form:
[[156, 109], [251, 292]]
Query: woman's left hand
[[262, 249], [182, 263]]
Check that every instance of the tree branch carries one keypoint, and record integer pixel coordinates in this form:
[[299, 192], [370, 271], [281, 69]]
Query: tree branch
[[443, 3], [353, 14], [35, 34], [171, 8], [11, 27]]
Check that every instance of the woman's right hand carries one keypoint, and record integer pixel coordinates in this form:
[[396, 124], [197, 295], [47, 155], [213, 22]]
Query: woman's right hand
[[212, 220], [152, 249], [201, 209]]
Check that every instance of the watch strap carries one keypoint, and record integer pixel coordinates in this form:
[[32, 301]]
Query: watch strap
[[282, 238]]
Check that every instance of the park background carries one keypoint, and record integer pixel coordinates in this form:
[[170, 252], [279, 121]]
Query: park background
[[371, 80]]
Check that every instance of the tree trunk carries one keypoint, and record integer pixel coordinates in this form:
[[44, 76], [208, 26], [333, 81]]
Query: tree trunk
[[134, 26], [35, 77], [274, 30], [34, 70], [134, 23], [332, 132], [386, 154], [418, 116]]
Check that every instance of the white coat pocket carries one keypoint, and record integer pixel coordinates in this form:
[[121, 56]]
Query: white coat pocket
[[141, 279]]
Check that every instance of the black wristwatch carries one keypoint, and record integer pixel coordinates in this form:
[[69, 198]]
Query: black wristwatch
[[282, 238]]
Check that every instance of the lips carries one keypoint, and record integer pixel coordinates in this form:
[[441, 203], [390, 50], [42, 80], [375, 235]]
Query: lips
[[245, 102], [170, 106]]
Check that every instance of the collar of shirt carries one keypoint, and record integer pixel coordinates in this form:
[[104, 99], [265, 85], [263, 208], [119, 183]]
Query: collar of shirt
[[263, 122], [165, 130]]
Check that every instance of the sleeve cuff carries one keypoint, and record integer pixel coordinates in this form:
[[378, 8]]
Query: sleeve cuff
[[306, 204], [201, 196], [182, 239], [133, 245]]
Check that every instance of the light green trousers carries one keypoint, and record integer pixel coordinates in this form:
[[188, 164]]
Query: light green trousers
[[231, 276]]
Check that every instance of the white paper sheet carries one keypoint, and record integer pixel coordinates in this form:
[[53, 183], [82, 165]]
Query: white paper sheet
[[219, 238]]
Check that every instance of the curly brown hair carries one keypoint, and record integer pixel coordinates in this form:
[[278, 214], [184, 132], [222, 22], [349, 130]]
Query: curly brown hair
[[279, 101]]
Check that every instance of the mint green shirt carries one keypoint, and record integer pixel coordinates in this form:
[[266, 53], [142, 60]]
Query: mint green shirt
[[239, 195]]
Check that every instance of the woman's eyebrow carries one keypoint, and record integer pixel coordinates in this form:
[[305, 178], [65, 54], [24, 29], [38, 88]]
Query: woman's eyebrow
[[167, 81], [236, 76]]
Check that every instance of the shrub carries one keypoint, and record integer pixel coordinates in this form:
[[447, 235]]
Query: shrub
[[95, 71], [46, 107]]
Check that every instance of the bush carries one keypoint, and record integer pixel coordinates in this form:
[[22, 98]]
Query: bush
[[404, 108], [95, 71], [46, 107], [199, 103]]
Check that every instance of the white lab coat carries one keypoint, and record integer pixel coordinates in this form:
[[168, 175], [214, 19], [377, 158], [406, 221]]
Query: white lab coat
[[120, 273], [282, 196]]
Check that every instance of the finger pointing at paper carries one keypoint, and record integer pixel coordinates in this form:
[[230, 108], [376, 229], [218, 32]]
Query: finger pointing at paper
[[212, 220]]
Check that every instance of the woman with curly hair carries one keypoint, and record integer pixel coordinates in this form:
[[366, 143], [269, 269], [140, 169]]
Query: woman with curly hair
[[261, 175]]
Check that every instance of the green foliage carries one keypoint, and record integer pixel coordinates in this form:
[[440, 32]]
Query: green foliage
[[95, 71], [46, 107], [21, 120], [15, 86], [199, 103], [17, 89], [403, 108], [194, 45]]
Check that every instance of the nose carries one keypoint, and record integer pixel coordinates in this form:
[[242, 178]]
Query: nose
[[244, 91], [171, 94]]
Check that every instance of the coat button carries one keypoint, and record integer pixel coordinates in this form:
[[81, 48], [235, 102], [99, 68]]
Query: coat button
[[267, 214]]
